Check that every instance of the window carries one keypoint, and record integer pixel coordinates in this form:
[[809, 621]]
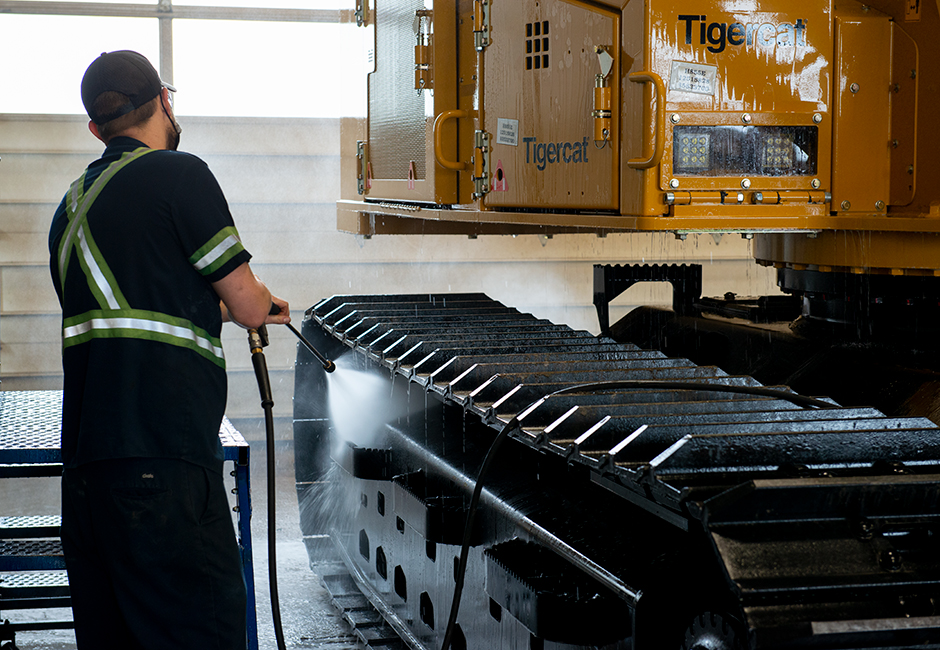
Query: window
[[239, 68], [45, 57]]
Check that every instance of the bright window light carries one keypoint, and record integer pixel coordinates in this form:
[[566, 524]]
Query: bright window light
[[44, 57], [261, 69], [279, 4]]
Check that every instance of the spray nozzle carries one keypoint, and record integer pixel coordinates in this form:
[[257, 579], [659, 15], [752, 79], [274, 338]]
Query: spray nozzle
[[328, 365]]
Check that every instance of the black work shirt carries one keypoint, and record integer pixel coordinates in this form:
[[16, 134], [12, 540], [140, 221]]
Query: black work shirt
[[162, 233]]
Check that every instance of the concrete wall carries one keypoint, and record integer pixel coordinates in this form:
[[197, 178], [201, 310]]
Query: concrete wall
[[281, 178]]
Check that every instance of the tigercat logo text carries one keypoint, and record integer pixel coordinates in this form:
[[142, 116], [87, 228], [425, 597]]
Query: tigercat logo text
[[545, 153], [719, 35]]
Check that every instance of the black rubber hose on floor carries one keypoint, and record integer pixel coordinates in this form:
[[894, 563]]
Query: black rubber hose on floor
[[257, 340]]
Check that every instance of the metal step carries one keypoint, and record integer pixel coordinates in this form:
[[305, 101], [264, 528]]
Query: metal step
[[30, 590], [31, 555], [30, 526]]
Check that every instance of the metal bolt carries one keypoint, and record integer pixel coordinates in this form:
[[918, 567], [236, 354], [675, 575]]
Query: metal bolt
[[854, 88], [674, 118], [914, 74], [891, 560], [747, 235], [910, 169], [746, 118], [758, 197], [895, 144], [674, 183], [817, 118], [880, 205], [681, 236], [740, 197], [670, 198], [815, 183], [846, 205], [897, 88], [746, 183]]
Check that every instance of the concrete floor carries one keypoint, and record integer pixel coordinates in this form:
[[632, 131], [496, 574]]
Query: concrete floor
[[308, 618]]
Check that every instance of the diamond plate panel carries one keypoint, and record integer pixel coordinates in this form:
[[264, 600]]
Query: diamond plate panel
[[396, 112]]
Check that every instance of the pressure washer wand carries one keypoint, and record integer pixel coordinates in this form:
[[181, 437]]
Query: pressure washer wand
[[328, 365]]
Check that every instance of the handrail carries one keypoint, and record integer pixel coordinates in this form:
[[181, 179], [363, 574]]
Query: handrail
[[438, 139], [659, 126]]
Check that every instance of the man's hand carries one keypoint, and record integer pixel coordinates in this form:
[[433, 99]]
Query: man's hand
[[280, 312]]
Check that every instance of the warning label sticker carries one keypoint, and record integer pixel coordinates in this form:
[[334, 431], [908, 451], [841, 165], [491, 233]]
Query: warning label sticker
[[693, 78], [507, 132]]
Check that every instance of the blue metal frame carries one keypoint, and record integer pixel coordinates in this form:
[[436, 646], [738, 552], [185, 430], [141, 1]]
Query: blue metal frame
[[29, 443]]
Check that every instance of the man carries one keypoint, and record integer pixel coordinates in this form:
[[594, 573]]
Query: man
[[147, 264]]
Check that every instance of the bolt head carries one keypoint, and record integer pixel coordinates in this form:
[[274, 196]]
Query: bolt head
[[846, 205], [880, 205], [854, 88], [817, 118], [674, 118], [746, 118], [746, 183], [674, 183], [815, 183]]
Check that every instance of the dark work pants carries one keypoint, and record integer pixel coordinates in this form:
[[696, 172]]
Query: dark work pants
[[152, 558]]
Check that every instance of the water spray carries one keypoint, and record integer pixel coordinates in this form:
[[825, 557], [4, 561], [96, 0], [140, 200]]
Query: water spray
[[257, 341]]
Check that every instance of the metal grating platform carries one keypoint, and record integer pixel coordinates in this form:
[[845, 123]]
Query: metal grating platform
[[30, 425]]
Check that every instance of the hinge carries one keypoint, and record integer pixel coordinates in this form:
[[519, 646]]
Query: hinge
[[424, 78], [481, 164], [481, 24], [362, 12], [362, 165]]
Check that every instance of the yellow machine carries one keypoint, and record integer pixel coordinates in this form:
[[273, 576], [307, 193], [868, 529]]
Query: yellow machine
[[806, 124], [736, 524]]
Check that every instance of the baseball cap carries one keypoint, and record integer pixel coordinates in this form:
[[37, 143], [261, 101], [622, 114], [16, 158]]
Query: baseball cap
[[125, 72]]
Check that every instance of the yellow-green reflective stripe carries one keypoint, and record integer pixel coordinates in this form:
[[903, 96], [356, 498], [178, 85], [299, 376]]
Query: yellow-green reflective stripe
[[220, 252], [87, 199], [141, 328], [97, 275]]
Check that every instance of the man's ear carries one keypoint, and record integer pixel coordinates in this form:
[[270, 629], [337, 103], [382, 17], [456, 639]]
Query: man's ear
[[94, 130]]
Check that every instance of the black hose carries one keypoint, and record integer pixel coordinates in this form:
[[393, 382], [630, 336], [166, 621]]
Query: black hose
[[256, 341], [513, 424]]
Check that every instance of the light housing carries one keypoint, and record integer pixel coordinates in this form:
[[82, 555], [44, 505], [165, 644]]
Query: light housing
[[734, 150]]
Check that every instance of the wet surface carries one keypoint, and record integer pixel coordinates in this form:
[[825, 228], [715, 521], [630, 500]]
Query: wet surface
[[308, 618]]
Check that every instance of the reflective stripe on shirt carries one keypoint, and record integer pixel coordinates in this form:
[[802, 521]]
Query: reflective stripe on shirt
[[116, 318], [77, 212], [217, 251], [145, 325]]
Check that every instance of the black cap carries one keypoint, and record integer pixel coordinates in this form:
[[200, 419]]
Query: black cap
[[125, 72]]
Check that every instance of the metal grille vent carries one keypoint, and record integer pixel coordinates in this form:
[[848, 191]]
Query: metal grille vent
[[536, 45]]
